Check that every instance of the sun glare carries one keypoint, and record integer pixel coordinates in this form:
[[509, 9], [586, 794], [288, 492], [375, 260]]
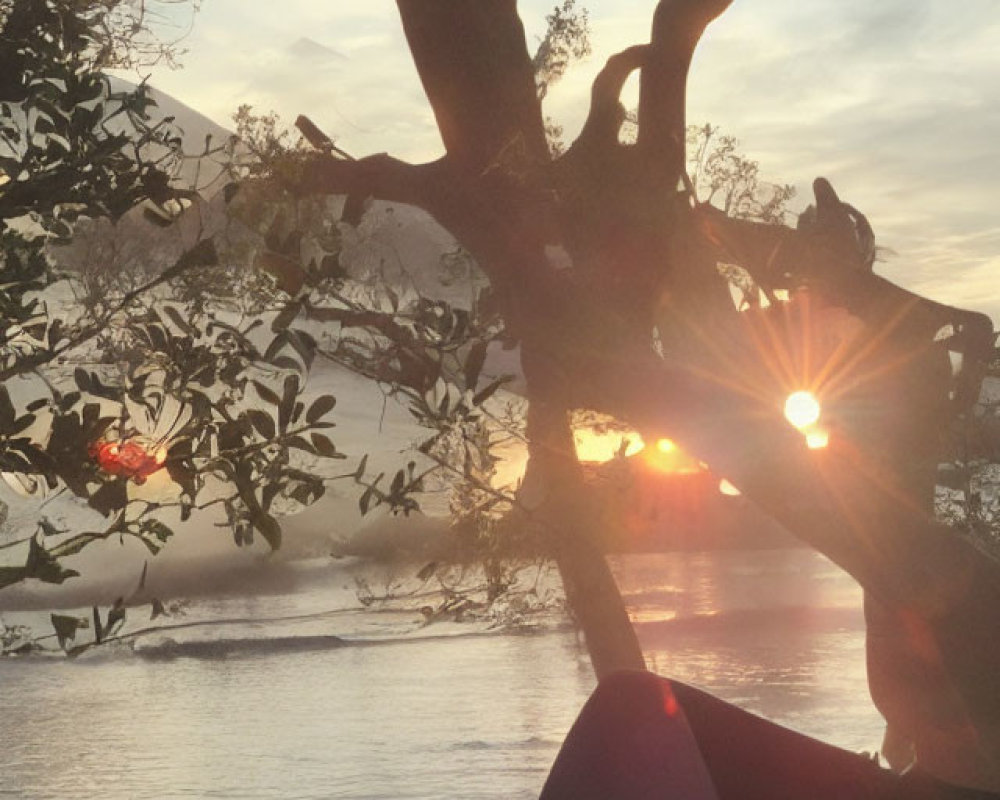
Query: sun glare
[[668, 457], [602, 446], [802, 409]]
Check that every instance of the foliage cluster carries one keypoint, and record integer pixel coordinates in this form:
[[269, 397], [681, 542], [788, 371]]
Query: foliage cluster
[[144, 372]]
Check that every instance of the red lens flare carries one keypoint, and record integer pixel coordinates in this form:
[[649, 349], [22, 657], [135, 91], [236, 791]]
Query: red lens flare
[[130, 458]]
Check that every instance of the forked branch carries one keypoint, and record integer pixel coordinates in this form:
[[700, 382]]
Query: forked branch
[[380, 176], [606, 111], [677, 27]]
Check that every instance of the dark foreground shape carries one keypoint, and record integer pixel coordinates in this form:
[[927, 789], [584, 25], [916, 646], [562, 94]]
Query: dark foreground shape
[[620, 749]]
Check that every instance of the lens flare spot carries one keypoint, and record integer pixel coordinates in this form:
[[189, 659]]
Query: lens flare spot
[[802, 409], [726, 488], [666, 446], [817, 438], [670, 705]]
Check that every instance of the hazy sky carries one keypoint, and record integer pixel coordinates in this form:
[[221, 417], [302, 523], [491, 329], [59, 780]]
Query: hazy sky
[[896, 101]]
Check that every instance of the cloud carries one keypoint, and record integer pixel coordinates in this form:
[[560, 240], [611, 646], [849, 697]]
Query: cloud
[[893, 101], [348, 69]]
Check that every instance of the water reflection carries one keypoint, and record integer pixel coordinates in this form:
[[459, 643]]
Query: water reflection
[[779, 633], [466, 716]]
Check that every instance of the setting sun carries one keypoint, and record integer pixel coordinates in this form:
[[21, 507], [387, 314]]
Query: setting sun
[[802, 409], [601, 446]]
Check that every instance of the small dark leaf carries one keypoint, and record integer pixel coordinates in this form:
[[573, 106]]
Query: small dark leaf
[[20, 424], [263, 422], [365, 501], [289, 392], [266, 394], [286, 362], [68, 400], [398, 481], [42, 566], [102, 390], [474, 364], [180, 322], [66, 628], [156, 609], [301, 444], [321, 406], [489, 390], [325, 447], [267, 525], [116, 617], [48, 529], [111, 497], [82, 378], [7, 413]]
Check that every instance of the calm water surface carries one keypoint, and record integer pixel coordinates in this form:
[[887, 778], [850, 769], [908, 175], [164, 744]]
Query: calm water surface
[[408, 712]]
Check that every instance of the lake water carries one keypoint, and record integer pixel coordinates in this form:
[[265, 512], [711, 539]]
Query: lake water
[[281, 709]]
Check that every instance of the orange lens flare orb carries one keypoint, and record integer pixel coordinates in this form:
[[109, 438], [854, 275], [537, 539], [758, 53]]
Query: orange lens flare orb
[[802, 409]]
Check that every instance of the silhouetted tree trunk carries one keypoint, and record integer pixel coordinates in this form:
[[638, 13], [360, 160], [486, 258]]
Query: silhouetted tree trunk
[[641, 257]]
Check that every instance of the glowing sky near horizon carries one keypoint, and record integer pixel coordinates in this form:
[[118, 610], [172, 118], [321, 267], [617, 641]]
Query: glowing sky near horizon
[[894, 101]]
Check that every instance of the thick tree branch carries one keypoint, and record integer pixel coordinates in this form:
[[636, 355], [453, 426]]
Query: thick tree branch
[[838, 501], [677, 27], [379, 176], [477, 73], [606, 111], [554, 489]]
